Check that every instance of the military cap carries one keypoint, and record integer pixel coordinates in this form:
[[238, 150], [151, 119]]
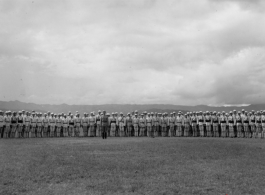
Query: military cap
[[52, 113], [104, 111], [207, 111], [258, 112], [142, 114], [234, 110], [129, 113], [112, 113], [1, 111], [136, 111], [121, 113], [243, 110], [145, 112], [200, 111], [135, 114], [152, 113], [33, 113], [148, 113], [238, 112], [185, 114], [223, 112], [174, 112], [230, 112], [99, 111], [171, 113], [19, 112]]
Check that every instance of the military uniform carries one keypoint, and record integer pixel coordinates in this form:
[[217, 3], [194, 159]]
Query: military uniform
[[223, 123], [27, 123], [20, 125], [155, 125], [200, 122], [239, 126], [77, 121], [186, 124], [149, 123], [142, 124], [178, 123], [59, 123], [45, 125], [259, 125], [71, 129], [171, 121], [52, 122], [245, 120], [7, 124], [92, 125], [121, 123], [136, 126], [252, 125], [208, 121], [112, 124], [33, 123], [231, 123], [263, 124], [129, 125], [164, 125], [215, 122], [85, 124], [14, 126], [104, 125], [193, 121], [98, 122], [39, 126], [2, 123]]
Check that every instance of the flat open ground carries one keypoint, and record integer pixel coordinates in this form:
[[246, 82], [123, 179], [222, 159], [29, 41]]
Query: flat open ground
[[132, 166]]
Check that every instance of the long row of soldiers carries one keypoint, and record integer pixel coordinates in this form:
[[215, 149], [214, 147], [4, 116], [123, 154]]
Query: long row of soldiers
[[203, 124]]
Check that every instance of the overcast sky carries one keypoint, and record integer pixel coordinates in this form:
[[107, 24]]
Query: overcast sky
[[135, 52]]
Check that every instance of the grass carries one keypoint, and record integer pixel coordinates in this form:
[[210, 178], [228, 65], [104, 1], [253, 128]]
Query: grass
[[132, 166]]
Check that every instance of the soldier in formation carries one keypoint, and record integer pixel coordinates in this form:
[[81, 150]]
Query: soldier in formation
[[24, 124]]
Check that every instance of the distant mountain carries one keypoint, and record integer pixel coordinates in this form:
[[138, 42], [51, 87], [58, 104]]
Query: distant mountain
[[125, 108]]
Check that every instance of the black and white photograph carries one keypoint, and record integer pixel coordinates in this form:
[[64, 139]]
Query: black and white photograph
[[144, 97]]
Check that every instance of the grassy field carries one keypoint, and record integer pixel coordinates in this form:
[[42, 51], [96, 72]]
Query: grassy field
[[132, 166]]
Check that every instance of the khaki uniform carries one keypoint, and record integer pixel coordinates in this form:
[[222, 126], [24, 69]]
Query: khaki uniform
[[142, 124], [27, 124], [200, 121], [245, 120], [71, 129], [208, 122], [259, 126], [252, 121], [84, 123], [39, 126], [92, 128], [98, 122], [193, 121], [2, 123], [149, 123], [231, 123], [52, 122], [59, 123], [129, 125], [239, 126], [223, 123], [112, 123], [156, 125], [164, 124], [8, 124], [186, 124], [136, 126], [45, 126], [263, 125], [33, 123], [20, 126], [171, 122], [77, 121], [178, 123], [215, 122], [121, 124]]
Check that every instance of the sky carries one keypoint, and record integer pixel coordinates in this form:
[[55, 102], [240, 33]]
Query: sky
[[182, 52]]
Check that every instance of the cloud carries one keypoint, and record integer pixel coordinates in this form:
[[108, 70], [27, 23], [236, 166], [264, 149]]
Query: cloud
[[95, 52]]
